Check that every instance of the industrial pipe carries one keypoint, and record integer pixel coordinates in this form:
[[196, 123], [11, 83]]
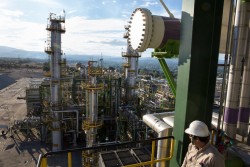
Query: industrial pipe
[[154, 122], [238, 52], [151, 31], [243, 117], [77, 117]]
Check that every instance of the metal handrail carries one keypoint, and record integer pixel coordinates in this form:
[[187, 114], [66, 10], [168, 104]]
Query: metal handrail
[[42, 160], [39, 160], [153, 161]]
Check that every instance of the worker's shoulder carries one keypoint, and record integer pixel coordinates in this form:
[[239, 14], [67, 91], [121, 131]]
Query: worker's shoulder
[[212, 150]]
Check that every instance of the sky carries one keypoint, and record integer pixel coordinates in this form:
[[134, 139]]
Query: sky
[[93, 27]]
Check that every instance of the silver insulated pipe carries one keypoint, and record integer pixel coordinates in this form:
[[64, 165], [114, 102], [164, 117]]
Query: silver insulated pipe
[[243, 117], [131, 72], [92, 114], [154, 121], [238, 52]]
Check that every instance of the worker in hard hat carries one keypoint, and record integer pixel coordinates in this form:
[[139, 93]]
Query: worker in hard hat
[[200, 152]]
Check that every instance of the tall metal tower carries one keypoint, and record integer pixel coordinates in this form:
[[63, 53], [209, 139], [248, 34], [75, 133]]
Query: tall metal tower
[[92, 122], [55, 27], [131, 70]]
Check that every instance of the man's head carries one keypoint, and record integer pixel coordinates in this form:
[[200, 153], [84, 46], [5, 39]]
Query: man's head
[[198, 132]]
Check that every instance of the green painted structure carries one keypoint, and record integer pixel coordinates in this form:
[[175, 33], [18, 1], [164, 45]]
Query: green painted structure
[[198, 59]]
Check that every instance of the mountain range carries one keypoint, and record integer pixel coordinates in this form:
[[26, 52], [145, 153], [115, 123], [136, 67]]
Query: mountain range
[[10, 52], [18, 53], [144, 62]]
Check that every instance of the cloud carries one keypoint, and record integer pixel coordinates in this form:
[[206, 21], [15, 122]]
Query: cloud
[[18, 33], [71, 11], [47, 2], [113, 42], [4, 3], [176, 13], [83, 36], [108, 2], [11, 13], [85, 33], [86, 36], [147, 4], [82, 24], [134, 3]]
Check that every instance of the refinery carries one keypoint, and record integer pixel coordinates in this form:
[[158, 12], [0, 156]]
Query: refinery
[[92, 116]]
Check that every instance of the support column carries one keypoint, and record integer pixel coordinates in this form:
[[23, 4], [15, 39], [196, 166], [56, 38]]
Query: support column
[[239, 51], [244, 108], [198, 59]]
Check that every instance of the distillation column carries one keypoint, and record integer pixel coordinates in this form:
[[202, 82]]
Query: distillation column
[[92, 122], [131, 70], [234, 82], [55, 28]]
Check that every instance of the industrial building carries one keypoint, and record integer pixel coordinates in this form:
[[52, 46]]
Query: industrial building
[[121, 119]]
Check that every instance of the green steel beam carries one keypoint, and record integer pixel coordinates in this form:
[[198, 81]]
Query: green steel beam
[[169, 50], [197, 68], [168, 75]]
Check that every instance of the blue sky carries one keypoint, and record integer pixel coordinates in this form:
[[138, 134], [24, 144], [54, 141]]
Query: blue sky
[[93, 27]]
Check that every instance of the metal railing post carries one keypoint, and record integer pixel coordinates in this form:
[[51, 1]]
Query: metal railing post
[[69, 159], [44, 162], [153, 153]]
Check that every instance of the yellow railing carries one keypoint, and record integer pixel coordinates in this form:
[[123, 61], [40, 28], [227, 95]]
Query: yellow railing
[[87, 124], [95, 71], [153, 161], [42, 161], [69, 159]]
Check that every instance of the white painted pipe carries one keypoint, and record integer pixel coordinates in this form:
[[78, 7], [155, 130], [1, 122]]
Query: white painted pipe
[[154, 122], [238, 52], [170, 120], [243, 117], [131, 72], [56, 134], [77, 118]]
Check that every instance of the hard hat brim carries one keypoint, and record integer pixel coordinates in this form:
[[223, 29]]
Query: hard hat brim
[[188, 131]]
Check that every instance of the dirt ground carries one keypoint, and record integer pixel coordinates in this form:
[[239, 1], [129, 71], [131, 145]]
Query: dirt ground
[[17, 148], [25, 73]]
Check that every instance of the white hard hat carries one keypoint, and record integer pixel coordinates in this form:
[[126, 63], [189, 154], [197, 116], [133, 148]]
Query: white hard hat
[[198, 128]]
